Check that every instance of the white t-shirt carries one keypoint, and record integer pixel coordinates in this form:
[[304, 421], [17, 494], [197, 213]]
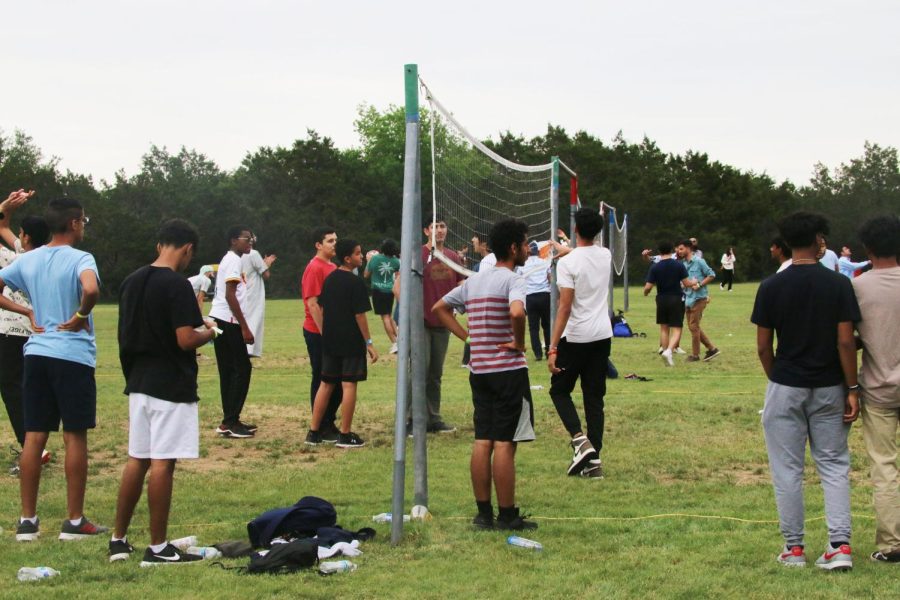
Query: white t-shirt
[[488, 261], [586, 269], [829, 259], [200, 283], [229, 270], [785, 265]]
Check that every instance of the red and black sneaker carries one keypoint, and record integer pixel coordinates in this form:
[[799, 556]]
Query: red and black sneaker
[[79, 532]]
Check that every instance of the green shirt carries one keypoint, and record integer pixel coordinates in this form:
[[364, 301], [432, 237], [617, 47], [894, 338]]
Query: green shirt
[[382, 269]]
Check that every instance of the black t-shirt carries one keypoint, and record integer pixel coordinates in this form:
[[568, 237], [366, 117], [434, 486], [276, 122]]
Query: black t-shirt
[[804, 305], [667, 275], [153, 303], [343, 297]]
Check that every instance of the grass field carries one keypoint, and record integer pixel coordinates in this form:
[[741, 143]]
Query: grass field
[[686, 509]]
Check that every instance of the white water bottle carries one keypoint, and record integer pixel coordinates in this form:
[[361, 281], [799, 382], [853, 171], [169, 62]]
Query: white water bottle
[[337, 566], [207, 552], [515, 540], [185, 542], [388, 517], [35, 573]]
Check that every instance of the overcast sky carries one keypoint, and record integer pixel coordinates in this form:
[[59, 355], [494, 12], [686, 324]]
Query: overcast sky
[[762, 85]]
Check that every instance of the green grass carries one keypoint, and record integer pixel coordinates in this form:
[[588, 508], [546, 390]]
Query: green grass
[[686, 508]]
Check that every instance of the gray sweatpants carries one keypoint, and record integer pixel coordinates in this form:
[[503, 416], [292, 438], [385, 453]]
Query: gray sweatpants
[[791, 415]]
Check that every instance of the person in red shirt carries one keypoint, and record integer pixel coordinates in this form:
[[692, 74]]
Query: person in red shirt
[[319, 267]]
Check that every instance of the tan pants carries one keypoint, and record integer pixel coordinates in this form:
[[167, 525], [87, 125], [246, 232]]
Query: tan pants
[[880, 433], [694, 314]]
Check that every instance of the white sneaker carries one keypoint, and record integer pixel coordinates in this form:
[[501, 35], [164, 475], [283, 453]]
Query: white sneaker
[[584, 452], [678, 350], [667, 357], [660, 350], [394, 348]]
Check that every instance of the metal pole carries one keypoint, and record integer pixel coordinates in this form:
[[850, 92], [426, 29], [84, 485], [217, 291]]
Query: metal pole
[[417, 360], [625, 267], [408, 241], [610, 240], [554, 225]]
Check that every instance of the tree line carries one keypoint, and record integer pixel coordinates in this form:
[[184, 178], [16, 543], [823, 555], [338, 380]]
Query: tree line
[[283, 193]]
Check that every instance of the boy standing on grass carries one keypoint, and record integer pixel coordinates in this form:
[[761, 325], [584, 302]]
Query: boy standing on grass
[[494, 299], [696, 298], [345, 342], [812, 392], [669, 275], [879, 377], [58, 382], [158, 317]]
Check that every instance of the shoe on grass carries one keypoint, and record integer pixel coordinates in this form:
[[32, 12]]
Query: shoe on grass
[[441, 427], [394, 348], [584, 452], [236, 431], [592, 470], [170, 555], [482, 521], [248, 426], [87, 529], [678, 350], [792, 557], [515, 522], [26, 531], [711, 354], [313, 438], [836, 559], [692, 358], [667, 357], [888, 557], [329, 433], [120, 550], [349, 440]]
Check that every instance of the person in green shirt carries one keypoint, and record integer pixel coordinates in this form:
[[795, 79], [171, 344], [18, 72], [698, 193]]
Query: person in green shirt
[[381, 269]]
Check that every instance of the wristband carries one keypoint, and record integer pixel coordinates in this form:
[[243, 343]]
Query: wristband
[[853, 388], [369, 342], [81, 316], [468, 340], [551, 352]]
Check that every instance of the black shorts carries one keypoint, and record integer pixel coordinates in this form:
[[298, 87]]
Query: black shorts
[[55, 390], [670, 310], [382, 302], [336, 369], [503, 409]]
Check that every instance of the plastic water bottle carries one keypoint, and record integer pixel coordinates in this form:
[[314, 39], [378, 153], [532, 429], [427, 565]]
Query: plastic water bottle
[[515, 540], [388, 517], [185, 542], [35, 573], [337, 566], [207, 552]]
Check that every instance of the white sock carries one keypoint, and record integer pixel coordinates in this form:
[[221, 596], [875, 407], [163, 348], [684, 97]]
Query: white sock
[[124, 538], [32, 520], [159, 547], [77, 522]]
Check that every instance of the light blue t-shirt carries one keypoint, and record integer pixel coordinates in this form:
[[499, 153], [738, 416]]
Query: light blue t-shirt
[[699, 270], [50, 277]]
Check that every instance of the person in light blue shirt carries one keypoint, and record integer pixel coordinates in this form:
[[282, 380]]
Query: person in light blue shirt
[[537, 300], [846, 266], [58, 383], [696, 297]]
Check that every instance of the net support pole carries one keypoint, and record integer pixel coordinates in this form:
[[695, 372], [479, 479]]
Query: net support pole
[[554, 226], [610, 243], [409, 281], [417, 359], [625, 265]]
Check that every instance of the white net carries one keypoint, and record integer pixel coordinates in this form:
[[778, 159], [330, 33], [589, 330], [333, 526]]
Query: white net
[[473, 187], [619, 244]]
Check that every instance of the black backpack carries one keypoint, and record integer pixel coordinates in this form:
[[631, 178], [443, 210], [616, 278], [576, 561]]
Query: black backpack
[[285, 558]]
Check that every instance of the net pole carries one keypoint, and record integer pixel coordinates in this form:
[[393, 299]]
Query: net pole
[[625, 266], [554, 225], [408, 282], [417, 360]]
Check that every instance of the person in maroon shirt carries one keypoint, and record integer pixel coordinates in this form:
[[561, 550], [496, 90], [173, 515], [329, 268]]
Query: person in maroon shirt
[[319, 267]]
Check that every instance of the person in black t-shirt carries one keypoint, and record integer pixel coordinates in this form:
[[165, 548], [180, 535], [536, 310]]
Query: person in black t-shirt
[[158, 335], [668, 275], [813, 392], [345, 342]]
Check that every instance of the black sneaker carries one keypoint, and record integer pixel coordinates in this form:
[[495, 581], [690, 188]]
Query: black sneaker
[[26, 531], [79, 532], [441, 427], [711, 354], [517, 522], [483, 521], [330, 434], [170, 555], [584, 452], [888, 557], [119, 550], [237, 431], [313, 438], [248, 426], [349, 440]]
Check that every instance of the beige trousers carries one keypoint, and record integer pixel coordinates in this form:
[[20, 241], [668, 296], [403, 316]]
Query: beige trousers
[[880, 434]]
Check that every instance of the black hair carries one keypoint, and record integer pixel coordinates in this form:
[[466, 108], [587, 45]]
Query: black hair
[[36, 228], [881, 236], [344, 248], [235, 231], [319, 233], [390, 247], [178, 233], [799, 229], [779, 243], [505, 233], [588, 223], [430, 218], [664, 247], [62, 211], [687, 243]]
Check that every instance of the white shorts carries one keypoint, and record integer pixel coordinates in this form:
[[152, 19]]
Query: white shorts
[[161, 429]]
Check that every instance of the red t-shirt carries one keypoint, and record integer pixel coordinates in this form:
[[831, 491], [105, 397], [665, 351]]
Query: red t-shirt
[[311, 286], [437, 280]]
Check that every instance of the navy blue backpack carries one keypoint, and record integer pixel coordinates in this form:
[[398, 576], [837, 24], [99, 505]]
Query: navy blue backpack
[[300, 520]]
